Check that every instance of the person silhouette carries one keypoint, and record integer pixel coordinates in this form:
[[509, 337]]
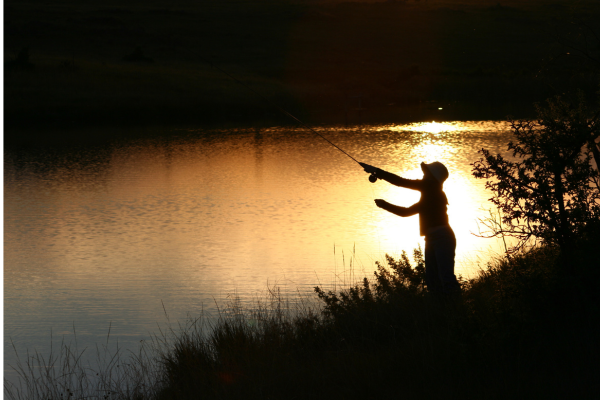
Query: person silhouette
[[440, 242]]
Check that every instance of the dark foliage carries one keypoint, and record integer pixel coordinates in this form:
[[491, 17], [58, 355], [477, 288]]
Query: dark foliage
[[551, 192]]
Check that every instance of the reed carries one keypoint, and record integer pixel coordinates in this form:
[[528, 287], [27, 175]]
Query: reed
[[72, 373]]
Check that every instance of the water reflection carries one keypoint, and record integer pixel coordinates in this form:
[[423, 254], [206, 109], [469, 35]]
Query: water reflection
[[103, 236], [439, 127]]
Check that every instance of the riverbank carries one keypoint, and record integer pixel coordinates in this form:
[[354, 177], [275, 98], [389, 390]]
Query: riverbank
[[139, 64], [522, 329]]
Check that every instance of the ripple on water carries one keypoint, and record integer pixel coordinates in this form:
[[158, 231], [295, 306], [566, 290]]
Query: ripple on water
[[105, 236]]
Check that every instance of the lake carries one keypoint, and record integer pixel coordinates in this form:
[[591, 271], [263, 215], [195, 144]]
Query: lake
[[114, 236]]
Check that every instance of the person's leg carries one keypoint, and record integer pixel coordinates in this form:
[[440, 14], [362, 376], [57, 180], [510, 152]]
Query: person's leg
[[432, 275], [445, 249]]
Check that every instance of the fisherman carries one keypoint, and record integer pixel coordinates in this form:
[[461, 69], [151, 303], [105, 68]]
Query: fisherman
[[440, 242]]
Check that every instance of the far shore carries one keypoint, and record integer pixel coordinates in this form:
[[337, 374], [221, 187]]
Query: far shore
[[83, 128], [139, 65]]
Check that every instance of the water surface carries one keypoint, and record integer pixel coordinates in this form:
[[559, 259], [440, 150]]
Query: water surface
[[107, 236]]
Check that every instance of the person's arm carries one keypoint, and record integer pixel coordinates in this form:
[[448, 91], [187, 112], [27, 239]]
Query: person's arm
[[394, 179], [415, 184], [400, 211]]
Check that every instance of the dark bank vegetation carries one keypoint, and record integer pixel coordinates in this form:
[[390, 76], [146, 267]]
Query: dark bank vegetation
[[551, 191], [97, 64]]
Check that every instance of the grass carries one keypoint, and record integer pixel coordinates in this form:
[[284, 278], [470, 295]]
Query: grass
[[68, 373], [521, 329]]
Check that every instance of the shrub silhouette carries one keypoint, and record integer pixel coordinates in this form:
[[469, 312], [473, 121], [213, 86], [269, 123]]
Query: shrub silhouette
[[551, 193], [389, 285]]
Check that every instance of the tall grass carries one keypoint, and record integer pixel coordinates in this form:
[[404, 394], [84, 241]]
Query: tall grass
[[519, 330], [71, 373]]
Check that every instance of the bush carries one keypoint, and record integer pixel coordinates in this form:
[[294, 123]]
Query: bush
[[552, 191], [400, 280]]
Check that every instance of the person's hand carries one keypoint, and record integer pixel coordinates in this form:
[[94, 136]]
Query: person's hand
[[369, 168], [381, 203]]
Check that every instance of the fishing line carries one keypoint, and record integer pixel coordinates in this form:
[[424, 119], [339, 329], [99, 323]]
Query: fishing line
[[372, 177], [275, 106]]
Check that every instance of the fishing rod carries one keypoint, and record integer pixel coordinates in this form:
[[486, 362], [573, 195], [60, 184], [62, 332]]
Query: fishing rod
[[372, 177]]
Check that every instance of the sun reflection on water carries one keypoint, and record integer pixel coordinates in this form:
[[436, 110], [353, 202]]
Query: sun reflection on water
[[455, 144], [434, 127], [443, 127]]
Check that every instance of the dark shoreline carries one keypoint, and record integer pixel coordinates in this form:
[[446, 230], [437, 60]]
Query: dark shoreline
[[140, 65], [84, 129]]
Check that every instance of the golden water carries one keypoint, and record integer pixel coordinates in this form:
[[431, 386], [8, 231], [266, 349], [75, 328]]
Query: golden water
[[105, 236]]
